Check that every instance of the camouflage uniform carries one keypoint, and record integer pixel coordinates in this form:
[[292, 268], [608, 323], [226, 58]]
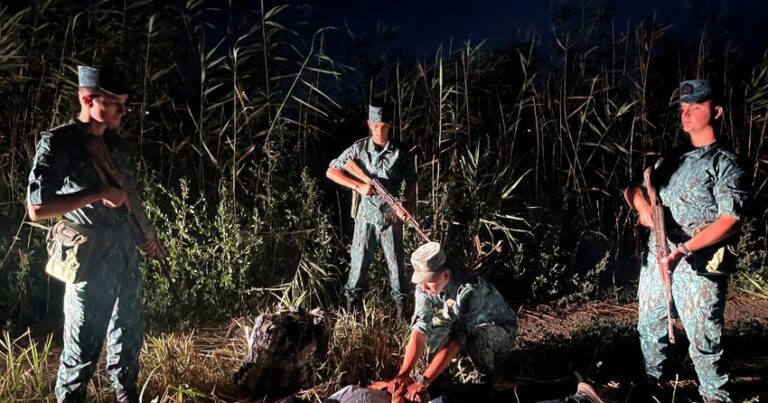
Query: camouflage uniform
[[107, 302], [696, 187], [376, 222], [472, 312]]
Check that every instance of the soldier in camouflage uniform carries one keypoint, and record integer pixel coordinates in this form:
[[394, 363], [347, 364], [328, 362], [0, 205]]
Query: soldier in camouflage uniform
[[453, 312], [703, 190], [106, 299], [376, 222]]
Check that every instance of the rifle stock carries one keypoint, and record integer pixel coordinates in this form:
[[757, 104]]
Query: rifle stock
[[662, 249], [141, 228], [355, 170]]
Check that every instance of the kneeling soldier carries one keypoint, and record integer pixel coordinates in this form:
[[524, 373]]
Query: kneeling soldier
[[453, 312]]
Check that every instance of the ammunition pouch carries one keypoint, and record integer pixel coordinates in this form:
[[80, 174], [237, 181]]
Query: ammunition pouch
[[718, 260], [70, 247]]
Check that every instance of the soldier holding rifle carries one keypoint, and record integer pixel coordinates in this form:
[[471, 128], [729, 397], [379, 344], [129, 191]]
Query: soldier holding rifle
[[94, 247], [376, 220], [702, 191]]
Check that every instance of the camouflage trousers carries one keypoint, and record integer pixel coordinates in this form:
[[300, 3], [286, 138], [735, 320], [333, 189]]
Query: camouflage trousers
[[106, 304], [365, 241], [700, 304], [487, 345]]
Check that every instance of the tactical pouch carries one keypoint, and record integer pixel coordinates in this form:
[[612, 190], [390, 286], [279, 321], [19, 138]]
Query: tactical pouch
[[69, 251], [716, 260]]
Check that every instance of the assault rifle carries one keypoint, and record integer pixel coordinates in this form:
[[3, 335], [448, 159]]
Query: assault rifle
[[662, 249], [141, 228], [353, 168]]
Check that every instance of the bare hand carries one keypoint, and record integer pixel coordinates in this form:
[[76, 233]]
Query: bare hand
[[673, 258], [645, 217], [113, 197], [154, 248], [417, 393], [399, 382], [401, 212], [365, 189]]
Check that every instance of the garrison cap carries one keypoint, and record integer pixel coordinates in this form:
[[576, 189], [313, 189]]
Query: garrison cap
[[379, 113], [695, 91], [104, 78], [428, 261]]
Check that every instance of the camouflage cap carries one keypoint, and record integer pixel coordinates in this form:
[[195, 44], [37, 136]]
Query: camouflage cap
[[428, 261], [379, 114], [106, 79], [695, 91]]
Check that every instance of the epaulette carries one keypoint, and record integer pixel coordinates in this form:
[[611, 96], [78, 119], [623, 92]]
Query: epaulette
[[727, 153], [362, 140]]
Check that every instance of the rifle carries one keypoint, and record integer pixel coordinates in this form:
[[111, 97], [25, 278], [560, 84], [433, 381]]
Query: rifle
[[353, 168], [141, 228], [662, 249]]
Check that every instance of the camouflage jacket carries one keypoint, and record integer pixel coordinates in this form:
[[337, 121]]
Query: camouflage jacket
[[391, 165], [63, 166], [696, 186], [466, 302]]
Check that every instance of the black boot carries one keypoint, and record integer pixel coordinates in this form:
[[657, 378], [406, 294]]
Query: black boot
[[127, 396]]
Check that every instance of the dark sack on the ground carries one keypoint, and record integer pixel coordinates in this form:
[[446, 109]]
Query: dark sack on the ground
[[285, 351]]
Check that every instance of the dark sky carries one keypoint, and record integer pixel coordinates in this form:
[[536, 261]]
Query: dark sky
[[423, 24]]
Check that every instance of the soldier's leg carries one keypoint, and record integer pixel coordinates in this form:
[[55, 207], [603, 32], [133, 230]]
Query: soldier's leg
[[87, 306], [125, 334], [701, 305], [652, 319], [488, 346], [361, 251], [391, 239]]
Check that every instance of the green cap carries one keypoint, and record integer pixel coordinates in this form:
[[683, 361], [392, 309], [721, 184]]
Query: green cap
[[695, 91], [428, 261], [104, 78]]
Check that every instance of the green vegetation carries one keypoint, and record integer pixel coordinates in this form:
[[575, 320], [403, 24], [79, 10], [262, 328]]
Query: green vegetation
[[528, 145]]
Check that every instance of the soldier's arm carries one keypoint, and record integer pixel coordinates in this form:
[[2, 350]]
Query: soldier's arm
[[636, 200], [62, 204], [719, 230], [47, 177], [339, 176], [413, 350], [731, 194], [443, 358], [336, 173]]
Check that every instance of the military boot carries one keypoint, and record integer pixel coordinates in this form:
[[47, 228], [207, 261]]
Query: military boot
[[127, 396]]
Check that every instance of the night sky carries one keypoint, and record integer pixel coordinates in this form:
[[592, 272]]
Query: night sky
[[422, 25]]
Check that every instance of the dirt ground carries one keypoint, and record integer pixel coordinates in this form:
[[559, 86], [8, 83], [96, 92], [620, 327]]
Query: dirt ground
[[598, 341]]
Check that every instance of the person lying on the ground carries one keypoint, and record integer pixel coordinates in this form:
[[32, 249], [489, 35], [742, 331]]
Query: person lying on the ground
[[376, 393], [453, 312]]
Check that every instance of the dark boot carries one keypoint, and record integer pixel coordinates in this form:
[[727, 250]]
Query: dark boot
[[127, 396]]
